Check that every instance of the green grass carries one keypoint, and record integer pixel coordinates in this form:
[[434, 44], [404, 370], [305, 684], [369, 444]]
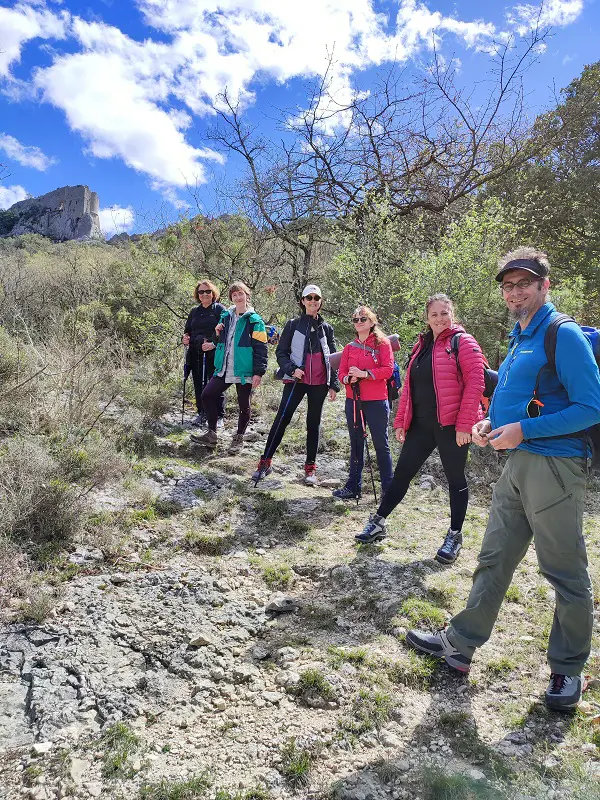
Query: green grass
[[296, 764], [313, 684], [192, 789], [370, 710], [209, 544], [422, 612], [119, 743], [437, 785], [350, 655], [415, 671], [513, 594], [277, 576], [500, 666]]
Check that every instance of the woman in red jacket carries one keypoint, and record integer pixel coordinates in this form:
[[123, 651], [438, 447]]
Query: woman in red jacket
[[367, 363], [440, 403]]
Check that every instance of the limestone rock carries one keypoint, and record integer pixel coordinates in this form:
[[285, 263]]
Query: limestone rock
[[71, 212]]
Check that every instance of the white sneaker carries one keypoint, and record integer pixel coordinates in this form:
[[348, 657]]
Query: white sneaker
[[310, 474]]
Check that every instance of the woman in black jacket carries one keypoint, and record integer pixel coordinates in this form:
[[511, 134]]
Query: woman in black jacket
[[303, 357], [199, 335]]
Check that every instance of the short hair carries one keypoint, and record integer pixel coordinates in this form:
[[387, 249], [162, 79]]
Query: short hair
[[239, 286], [215, 292], [530, 253]]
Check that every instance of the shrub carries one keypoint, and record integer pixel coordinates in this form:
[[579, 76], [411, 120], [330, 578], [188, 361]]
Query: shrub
[[191, 789], [277, 576], [119, 743], [37, 503], [296, 764]]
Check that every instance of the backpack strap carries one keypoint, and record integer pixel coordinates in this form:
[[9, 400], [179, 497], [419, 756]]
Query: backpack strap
[[364, 347], [550, 349]]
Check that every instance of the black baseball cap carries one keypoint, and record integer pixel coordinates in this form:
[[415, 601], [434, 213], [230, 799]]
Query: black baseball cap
[[528, 264]]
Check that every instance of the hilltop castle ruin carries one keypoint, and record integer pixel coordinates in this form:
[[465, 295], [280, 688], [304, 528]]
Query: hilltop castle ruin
[[71, 212]]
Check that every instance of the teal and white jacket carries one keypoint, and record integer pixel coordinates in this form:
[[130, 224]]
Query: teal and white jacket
[[250, 353]]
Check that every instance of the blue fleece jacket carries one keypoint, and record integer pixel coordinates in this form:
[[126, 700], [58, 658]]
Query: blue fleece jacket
[[571, 397]]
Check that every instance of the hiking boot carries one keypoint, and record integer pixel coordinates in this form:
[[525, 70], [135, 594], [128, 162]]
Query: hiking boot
[[448, 552], [208, 439], [263, 469], [221, 422], [563, 692], [438, 645], [237, 442], [310, 474], [374, 530], [199, 421], [346, 493]]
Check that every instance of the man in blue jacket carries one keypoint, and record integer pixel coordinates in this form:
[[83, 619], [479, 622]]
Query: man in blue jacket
[[540, 494]]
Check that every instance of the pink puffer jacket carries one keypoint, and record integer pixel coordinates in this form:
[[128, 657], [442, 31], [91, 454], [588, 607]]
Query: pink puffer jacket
[[458, 391]]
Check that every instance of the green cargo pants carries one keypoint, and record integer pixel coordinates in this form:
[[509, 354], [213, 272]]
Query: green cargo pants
[[539, 497]]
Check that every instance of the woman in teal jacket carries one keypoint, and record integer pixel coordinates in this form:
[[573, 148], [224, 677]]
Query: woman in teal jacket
[[240, 360]]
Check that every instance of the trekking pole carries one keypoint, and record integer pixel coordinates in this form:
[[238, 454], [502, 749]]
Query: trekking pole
[[366, 439], [261, 474], [186, 372], [357, 438]]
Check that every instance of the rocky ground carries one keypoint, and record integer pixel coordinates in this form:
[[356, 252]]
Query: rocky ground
[[215, 640]]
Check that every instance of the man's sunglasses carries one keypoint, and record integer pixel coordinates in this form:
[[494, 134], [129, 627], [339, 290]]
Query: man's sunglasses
[[359, 319], [204, 291], [314, 297]]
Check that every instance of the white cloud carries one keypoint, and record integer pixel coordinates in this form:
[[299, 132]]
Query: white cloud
[[551, 13], [22, 23], [116, 219], [136, 100], [11, 194], [25, 155]]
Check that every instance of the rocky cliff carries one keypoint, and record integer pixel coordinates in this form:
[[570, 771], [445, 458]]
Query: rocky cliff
[[71, 212]]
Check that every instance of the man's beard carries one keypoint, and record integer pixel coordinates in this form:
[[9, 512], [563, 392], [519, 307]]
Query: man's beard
[[518, 314]]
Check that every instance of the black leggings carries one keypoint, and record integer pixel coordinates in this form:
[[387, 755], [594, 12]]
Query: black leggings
[[203, 366], [212, 399], [316, 397], [423, 436]]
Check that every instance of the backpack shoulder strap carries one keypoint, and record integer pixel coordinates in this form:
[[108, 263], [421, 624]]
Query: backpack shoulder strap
[[551, 336], [363, 347]]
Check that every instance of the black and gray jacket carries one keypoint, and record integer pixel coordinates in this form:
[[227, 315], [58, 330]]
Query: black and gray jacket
[[300, 337]]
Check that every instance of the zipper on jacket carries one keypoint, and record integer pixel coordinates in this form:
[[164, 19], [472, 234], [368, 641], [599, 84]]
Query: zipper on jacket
[[435, 389]]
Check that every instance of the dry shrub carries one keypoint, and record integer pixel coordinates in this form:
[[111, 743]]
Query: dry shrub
[[38, 504]]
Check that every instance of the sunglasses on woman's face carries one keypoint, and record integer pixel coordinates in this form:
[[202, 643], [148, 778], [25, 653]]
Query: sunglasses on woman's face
[[314, 297], [359, 319], [204, 291]]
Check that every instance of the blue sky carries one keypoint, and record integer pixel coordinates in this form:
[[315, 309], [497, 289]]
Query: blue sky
[[119, 94]]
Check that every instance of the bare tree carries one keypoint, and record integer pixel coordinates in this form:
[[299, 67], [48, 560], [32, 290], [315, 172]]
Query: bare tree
[[420, 145]]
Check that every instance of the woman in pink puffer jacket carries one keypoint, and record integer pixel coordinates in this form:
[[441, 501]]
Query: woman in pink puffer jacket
[[439, 404]]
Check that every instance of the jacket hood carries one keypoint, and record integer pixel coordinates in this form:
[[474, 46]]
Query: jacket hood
[[249, 310]]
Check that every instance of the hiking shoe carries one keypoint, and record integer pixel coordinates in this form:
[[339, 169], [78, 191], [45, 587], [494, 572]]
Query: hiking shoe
[[263, 469], [374, 530], [237, 442], [221, 422], [208, 439], [563, 692], [310, 474], [199, 421], [438, 645], [448, 552], [346, 493]]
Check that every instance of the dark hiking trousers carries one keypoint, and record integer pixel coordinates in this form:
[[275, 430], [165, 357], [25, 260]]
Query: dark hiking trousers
[[423, 436], [203, 367], [377, 414], [315, 396], [540, 498], [213, 394]]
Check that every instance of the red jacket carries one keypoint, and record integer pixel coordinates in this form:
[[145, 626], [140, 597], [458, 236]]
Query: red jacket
[[380, 367], [458, 391]]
